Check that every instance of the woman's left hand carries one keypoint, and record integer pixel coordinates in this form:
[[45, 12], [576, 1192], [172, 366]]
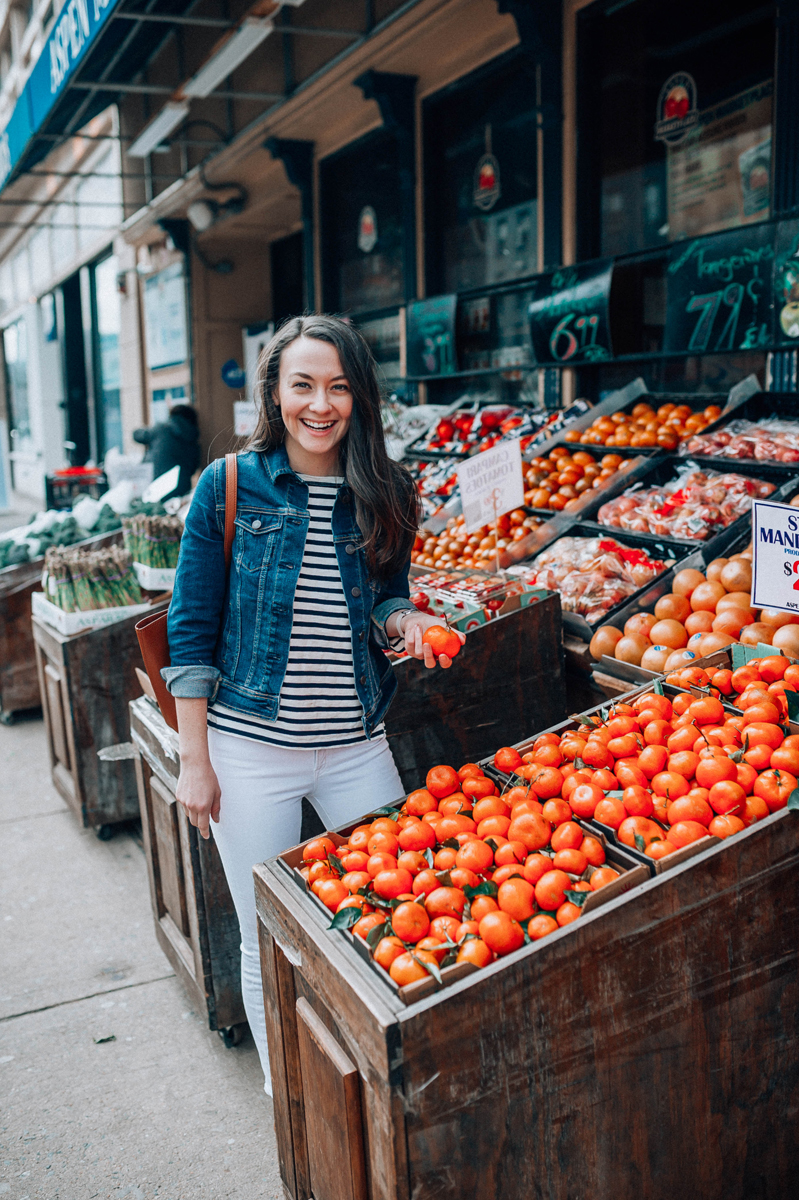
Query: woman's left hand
[[414, 628]]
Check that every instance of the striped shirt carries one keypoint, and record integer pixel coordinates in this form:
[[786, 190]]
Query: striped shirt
[[319, 705]]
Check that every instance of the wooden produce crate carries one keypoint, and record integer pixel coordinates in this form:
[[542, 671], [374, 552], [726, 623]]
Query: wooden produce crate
[[508, 679], [86, 682], [195, 921], [643, 1051], [19, 681]]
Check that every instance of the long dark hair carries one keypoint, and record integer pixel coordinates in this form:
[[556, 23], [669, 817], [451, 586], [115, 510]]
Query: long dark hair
[[386, 501]]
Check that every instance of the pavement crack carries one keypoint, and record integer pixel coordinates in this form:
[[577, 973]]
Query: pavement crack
[[89, 996], [54, 812]]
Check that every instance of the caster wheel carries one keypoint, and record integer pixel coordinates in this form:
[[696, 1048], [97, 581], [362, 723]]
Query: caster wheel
[[105, 832], [232, 1035]]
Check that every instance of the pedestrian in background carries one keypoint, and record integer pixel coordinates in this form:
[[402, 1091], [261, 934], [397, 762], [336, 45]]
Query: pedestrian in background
[[279, 673], [173, 443]]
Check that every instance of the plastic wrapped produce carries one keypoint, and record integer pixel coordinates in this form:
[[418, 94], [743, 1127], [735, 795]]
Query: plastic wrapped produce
[[692, 506], [593, 575], [767, 441]]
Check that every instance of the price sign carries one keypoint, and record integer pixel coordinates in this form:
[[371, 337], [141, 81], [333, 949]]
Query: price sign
[[569, 315], [775, 567], [491, 484]]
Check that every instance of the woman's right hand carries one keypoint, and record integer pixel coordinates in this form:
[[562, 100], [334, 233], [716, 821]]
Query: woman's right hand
[[199, 794]]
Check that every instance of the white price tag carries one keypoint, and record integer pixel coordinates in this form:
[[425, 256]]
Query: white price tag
[[491, 484], [775, 566]]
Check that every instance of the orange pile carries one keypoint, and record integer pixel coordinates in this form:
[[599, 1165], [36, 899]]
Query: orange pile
[[558, 480], [460, 874], [664, 427], [666, 774], [703, 613], [454, 547]]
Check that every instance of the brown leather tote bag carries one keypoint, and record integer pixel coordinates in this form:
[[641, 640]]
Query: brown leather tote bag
[[152, 630]]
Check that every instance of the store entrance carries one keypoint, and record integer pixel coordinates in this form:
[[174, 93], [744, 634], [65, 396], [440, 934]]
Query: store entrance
[[76, 401]]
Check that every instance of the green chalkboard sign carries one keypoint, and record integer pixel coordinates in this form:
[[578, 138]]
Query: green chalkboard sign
[[786, 285], [569, 315], [430, 336], [719, 293]]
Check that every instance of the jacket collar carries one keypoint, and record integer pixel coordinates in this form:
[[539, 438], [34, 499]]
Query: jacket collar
[[277, 463]]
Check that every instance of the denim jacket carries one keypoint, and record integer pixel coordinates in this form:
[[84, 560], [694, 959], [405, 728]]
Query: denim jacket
[[229, 636]]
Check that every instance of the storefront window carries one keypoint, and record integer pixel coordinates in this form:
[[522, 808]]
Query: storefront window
[[15, 345], [362, 226], [107, 350], [480, 179], [674, 121]]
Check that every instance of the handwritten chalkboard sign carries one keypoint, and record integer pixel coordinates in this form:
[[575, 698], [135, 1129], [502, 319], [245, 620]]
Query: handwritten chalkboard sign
[[569, 315], [786, 284], [719, 293], [431, 336]]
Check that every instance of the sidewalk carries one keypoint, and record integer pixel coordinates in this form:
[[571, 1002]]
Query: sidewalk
[[162, 1110]]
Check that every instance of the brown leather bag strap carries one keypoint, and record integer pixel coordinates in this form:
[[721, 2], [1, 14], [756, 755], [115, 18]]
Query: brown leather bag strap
[[231, 499]]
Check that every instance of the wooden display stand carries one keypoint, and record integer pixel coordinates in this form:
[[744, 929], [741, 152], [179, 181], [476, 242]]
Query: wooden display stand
[[86, 682], [508, 679], [195, 921], [646, 1051], [19, 681]]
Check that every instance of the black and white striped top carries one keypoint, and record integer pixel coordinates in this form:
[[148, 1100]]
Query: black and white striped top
[[319, 705]]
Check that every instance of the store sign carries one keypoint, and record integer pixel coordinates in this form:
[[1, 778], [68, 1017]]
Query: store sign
[[677, 113], [491, 484], [430, 335], [569, 315], [232, 375], [367, 229], [775, 565], [719, 293], [786, 282], [487, 188]]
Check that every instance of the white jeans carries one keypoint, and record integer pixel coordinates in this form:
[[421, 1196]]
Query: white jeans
[[261, 813]]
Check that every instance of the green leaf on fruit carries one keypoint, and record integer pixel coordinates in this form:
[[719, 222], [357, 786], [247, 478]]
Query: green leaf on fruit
[[615, 793], [657, 688], [640, 844], [490, 842], [346, 918], [431, 968], [793, 705], [336, 865], [374, 935], [444, 878], [578, 898], [793, 800], [486, 888], [449, 959], [452, 844], [604, 714], [579, 764], [385, 812], [428, 854]]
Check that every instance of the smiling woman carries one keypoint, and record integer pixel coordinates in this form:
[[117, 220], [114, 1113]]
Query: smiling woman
[[279, 672]]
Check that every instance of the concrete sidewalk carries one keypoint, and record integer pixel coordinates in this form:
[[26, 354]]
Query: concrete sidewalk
[[162, 1110]]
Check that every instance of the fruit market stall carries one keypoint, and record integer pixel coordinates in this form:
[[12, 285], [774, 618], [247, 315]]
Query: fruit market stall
[[86, 655], [475, 988], [195, 921]]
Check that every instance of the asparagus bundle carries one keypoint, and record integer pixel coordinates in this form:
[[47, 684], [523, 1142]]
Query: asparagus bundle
[[78, 580], [153, 541]]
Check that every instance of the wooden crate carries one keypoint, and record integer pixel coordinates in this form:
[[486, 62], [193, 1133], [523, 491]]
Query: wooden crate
[[86, 682], [647, 1050], [19, 680], [195, 921], [508, 680]]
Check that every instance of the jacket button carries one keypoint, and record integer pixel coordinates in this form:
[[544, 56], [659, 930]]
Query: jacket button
[[362, 680], [256, 524], [356, 591], [350, 549], [360, 636]]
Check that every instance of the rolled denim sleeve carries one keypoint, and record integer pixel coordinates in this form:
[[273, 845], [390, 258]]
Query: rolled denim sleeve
[[192, 683], [393, 597], [198, 599]]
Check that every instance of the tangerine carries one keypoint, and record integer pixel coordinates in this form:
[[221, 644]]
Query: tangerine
[[410, 922], [318, 848], [540, 926], [476, 951], [442, 781], [501, 933], [551, 888]]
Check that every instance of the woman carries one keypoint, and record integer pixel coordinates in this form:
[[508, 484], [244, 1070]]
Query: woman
[[278, 672]]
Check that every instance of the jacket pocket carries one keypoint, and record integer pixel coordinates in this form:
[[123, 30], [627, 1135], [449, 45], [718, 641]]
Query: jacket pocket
[[256, 535]]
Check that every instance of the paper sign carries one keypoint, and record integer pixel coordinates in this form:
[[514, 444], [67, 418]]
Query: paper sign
[[162, 486], [775, 569], [491, 484], [245, 418]]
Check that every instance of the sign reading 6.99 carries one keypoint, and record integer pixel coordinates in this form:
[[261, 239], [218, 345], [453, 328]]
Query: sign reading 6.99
[[569, 315]]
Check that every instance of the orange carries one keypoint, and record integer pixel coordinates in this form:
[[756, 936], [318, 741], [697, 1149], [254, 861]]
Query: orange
[[653, 759], [535, 866], [387, 950], [481, 905], [410, 922], [772, 668], [556, 811], [478, 787], [494, 826], [464, 928], [515, 897], [462, 877], [660, 849], [637, 801], [755, 810], [573, 862], [684, 762], [475, 950], [601, 877], [610, 812], [434, 946], [656, 733], [775, 787], [540, 926], [425, 883], [727, 797], [417, 837], [724, 827], [413, 861], [355, 880], [584, 800], [593, 850], [548, 756], [551, 888], [383, 843], [442, 781], [407, 969], [715, 770], [568, 836], [507, 759], [785, 758], [509, 853], [470, 770], [319, 870], [568, 912], [356, 902], [420, 802], [444, 927], [392, 883], [318, 848], [690, 809], [331, 892], [456, 803], [446, 902], [531, 830], [758, 756], [670, 784], [495, 806], [628, 773], [370, 921], [501, 933], [508, 872], [380, 862], [475, 856], [641, 827], [546, 782], [685, 832], [355, 860]]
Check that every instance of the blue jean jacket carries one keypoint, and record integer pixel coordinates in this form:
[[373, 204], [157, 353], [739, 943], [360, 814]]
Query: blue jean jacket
[[229, 636]]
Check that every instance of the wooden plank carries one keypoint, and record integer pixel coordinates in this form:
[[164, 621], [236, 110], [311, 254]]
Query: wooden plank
[[220, 935], [286, 999], [645, 1051], [333, 1122], [277, 1060], [55, 707], [55, 722], [168, 850], [491, 696]]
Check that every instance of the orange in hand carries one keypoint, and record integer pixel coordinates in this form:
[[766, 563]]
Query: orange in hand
[[442, 641]]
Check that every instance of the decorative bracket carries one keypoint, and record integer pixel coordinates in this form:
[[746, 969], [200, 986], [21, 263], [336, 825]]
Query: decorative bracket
[[298, 159]]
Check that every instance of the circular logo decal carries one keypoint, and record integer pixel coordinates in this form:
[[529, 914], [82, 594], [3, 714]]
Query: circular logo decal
[[677, 113], [487, 189], [367, 229]]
